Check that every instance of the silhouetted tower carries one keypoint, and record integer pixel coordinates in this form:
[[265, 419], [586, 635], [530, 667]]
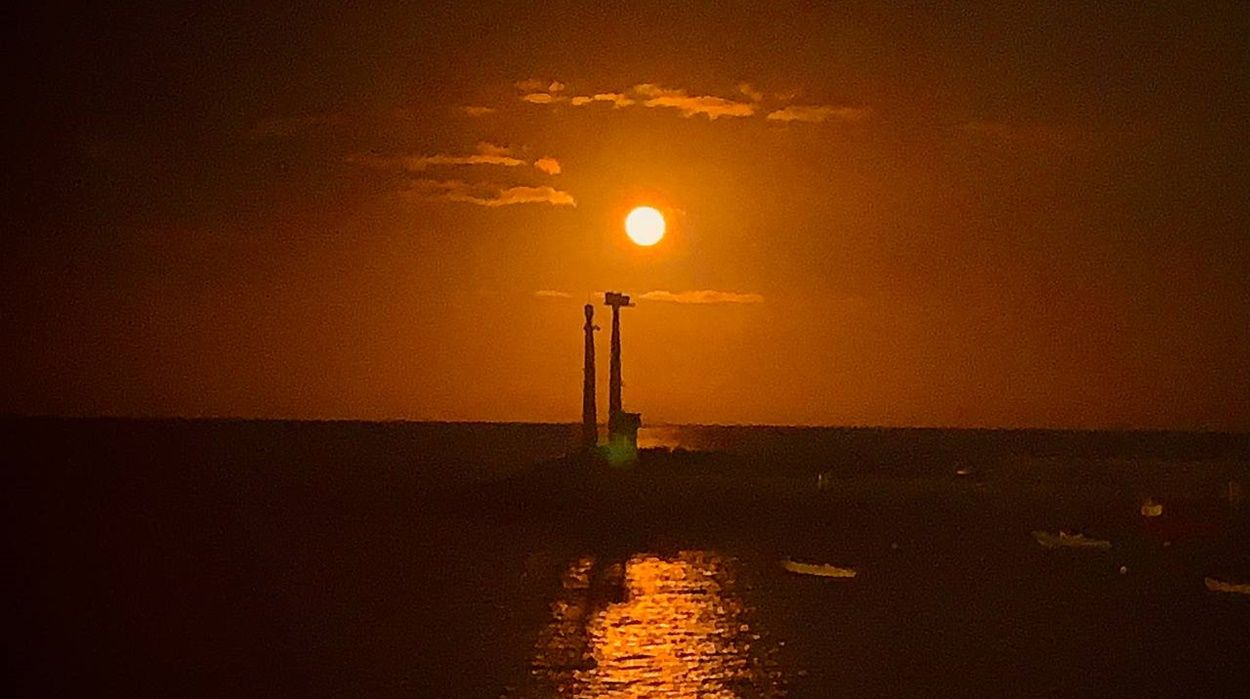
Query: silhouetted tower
[[615, 300], [622, 426], [590, 420]]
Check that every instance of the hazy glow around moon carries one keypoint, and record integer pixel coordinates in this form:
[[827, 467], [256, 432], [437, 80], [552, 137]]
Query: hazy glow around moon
[[645, 225]]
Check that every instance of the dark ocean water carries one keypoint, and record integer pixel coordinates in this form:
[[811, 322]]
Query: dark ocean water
[[211, 558]]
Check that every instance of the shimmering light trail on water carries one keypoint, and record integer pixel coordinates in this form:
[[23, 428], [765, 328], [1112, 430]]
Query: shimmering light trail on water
[[653, 626]]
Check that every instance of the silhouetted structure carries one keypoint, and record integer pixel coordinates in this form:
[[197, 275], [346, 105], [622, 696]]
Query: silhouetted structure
[[622, 426], [590, 420]]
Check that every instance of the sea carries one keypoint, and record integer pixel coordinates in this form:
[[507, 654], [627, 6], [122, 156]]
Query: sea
[[210, 558]]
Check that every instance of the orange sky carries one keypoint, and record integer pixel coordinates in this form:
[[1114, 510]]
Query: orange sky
[[976, 216]]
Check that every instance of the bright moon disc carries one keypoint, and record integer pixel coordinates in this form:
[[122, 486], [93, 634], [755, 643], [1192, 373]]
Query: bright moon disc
[[645, 225]]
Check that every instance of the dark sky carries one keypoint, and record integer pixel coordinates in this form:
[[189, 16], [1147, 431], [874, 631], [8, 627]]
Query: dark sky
[[988, 214]]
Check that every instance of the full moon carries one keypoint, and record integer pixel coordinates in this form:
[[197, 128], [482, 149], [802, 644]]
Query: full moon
[[645, 226]]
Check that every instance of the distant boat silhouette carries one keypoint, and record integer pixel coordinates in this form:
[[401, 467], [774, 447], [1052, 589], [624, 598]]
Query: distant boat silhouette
[[1070, 541], [822, 570]]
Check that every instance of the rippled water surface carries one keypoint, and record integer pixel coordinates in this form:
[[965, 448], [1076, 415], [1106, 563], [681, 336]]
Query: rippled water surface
[[653, 625]]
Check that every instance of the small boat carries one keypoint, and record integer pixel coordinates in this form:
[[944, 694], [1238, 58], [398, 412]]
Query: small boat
[[1070, 541], [823, 570], [1220, 586]]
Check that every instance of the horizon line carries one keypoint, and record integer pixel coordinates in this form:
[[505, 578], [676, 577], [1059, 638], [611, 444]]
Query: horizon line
[[574, 423]]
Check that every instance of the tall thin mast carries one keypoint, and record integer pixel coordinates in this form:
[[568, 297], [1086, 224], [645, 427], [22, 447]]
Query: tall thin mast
[[590, 421], [614, 368]]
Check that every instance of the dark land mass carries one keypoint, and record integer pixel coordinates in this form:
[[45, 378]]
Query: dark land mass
[[213, 557]]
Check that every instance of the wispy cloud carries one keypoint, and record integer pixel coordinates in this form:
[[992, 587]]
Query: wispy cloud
[[813, 114], [617, 99], [487, 154], [530, 85], [552, 294], [551, 166], [541, 98], [484, 194], [425, 161], [488, 148], [703, 296], [283, 127], [750, 93], [711, 107], [532, 195], [476, 111], [537, 91]]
